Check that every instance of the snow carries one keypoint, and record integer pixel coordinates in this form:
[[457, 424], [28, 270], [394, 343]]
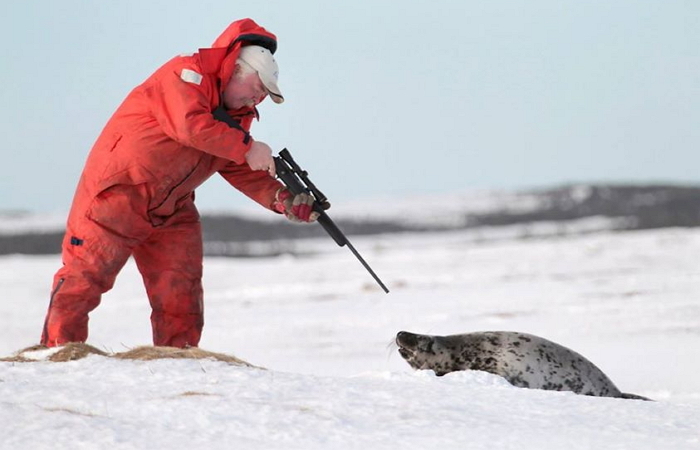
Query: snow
[[323, 330]]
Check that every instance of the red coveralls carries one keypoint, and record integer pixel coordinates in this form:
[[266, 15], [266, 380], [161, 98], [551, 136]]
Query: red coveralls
[[136, 193]]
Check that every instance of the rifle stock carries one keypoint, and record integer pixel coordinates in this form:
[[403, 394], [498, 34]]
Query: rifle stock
[[297, 181]]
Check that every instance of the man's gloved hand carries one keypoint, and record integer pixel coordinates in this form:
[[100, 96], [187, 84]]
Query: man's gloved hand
[[297, 208]]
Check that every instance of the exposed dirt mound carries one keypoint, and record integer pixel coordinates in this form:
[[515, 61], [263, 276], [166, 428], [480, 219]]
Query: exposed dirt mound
[[78, 350], [68, 352], [74, 351], [17, 357], [147, 353]]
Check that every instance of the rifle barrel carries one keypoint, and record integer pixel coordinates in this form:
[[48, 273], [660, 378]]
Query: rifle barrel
[[364, 263]]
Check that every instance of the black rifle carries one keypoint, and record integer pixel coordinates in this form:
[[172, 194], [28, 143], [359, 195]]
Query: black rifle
[[297, 181]]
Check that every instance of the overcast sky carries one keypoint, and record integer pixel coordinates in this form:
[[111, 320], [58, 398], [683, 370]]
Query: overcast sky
[[383, 98]]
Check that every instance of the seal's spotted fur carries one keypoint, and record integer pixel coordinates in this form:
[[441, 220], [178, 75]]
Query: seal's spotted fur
[[523, 359]]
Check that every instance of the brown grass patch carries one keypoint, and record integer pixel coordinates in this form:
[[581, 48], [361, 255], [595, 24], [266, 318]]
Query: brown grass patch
[[69, 352], [74, 351], [69, 411], [79, 350], [15, 359], [148, 353], [196, 394], [18, 357]]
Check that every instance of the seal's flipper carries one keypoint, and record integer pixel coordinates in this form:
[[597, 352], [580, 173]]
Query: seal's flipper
[[635, 397]]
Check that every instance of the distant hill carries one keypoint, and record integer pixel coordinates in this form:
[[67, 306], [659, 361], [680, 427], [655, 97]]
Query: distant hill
[[642, 207], [566, 209]]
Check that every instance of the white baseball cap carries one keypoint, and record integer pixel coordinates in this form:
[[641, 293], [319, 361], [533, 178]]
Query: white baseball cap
[[262, 61]]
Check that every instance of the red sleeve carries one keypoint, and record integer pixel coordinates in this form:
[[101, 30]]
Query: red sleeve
[[179, 97], [256, 184]]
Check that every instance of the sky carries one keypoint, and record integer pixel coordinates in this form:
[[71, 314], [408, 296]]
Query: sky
[[384, 99]]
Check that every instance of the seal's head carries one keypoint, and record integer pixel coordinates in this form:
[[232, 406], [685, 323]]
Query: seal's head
[[423, 352]]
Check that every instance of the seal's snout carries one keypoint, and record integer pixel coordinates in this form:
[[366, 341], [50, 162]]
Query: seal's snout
[[408, 345], [404, 339], [407, 342]]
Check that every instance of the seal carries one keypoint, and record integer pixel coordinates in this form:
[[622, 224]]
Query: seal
[[524, 360]]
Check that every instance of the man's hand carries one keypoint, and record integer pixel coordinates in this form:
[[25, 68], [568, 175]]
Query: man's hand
[[259, 157], [297, 208]]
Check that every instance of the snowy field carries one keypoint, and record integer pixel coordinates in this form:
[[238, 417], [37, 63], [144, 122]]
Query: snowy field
[[629, 302]]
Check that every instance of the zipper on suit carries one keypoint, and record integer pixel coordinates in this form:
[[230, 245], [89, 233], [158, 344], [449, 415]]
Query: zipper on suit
[[53, 294], [55, 291]]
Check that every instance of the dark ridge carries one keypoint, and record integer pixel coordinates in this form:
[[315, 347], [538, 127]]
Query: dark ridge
[[642, 207], [648, 206]]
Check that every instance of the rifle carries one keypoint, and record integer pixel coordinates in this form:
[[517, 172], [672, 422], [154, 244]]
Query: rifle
[[297, 181]]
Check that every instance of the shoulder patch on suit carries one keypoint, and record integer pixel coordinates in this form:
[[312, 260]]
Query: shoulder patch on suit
[[191, 76]]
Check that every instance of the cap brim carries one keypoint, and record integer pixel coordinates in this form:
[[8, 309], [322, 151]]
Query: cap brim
[[272, 89], [277, 98]]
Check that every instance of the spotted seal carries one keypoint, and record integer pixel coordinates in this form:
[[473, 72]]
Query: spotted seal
[[524, 360]]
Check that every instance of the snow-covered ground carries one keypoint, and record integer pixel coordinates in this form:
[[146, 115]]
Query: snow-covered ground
[[627, 301]]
